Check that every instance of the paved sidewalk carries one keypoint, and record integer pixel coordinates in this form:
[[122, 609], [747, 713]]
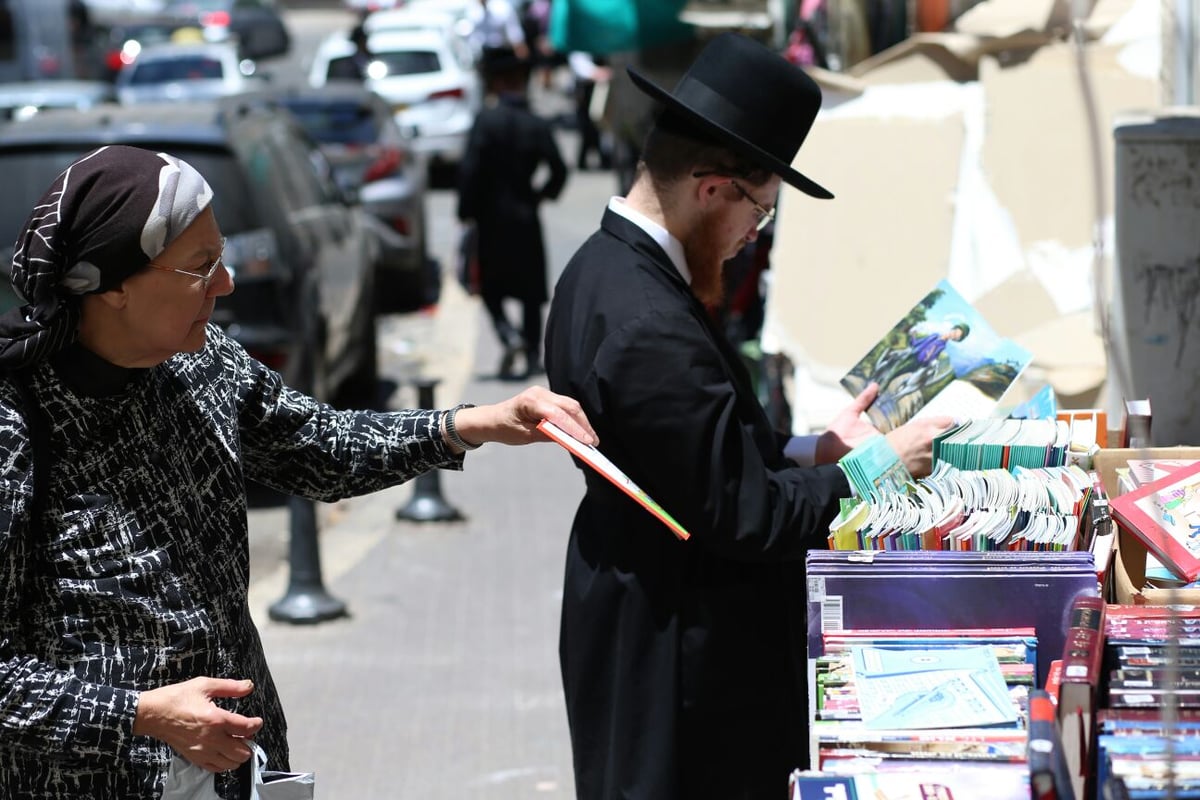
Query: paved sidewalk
[[444, 681]]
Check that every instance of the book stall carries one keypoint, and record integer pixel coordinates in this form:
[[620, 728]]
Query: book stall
[[1014, 624]]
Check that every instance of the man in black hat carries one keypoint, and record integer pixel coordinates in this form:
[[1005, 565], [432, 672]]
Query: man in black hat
[[497, 192], [683, 661]]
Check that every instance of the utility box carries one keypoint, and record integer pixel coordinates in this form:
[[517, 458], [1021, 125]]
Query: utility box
[[1156, 293]]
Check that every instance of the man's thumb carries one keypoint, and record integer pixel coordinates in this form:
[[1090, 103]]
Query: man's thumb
[[866, 397], [225, 687]]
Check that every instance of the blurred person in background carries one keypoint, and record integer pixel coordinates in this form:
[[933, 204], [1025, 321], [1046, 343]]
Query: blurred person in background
[[588, 72], [357, 67], [496, 31], [129, 425], [683, 662], [496, 194]]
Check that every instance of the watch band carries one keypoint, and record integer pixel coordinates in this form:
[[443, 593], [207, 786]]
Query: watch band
[[452, 435]]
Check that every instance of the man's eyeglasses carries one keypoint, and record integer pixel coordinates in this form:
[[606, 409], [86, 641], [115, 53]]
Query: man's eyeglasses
[[765, 215], [205, 275]]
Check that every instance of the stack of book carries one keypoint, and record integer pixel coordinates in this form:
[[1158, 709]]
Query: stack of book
[[1148, 743], [934, 708], [853, 674], [955, 509], [1004, 443], [938, 590]]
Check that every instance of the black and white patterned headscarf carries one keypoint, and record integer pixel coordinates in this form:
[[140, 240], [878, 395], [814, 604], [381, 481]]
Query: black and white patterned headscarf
[[105, 217]]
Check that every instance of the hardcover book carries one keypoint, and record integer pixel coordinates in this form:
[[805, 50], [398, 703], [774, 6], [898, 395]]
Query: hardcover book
[[1165, 516]]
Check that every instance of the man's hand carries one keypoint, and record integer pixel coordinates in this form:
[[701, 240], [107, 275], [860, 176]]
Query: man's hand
[[184, 716], [515, 420], [848, 429], [913, 442]]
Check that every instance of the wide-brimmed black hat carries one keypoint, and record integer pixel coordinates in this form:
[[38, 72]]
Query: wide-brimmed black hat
[[749, 99]]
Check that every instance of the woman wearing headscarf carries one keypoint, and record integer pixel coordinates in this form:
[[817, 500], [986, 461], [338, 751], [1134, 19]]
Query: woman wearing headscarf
[[128, 427]]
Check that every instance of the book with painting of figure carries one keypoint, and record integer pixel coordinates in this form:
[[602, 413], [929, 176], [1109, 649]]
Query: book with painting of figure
[[942, 358]]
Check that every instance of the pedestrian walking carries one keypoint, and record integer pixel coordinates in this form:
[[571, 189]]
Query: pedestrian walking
[[496, 31], [589, 72], [358, 66], [497, 194], [683, 662], [129, 426]]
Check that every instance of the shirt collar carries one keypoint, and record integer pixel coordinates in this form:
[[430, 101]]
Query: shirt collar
[[662, 237], [90, 375]]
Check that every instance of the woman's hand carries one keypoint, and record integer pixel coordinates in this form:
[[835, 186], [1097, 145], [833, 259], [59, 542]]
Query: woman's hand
[[184, 716], [515, 420]]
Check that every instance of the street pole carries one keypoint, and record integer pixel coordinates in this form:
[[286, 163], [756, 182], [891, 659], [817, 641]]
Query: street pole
[[427, 503], [306, 601]]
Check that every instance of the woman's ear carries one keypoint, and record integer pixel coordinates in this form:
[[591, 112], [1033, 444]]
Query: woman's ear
[[115, 298]]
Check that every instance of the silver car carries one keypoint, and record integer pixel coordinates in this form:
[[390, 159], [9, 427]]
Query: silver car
[[428, 77], [374, 164], [180, 72]]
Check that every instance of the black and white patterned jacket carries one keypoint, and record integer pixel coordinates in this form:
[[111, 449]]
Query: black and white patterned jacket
[[137, 574]]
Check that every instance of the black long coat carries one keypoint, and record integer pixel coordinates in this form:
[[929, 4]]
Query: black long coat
[[682, 661], [495, 188]]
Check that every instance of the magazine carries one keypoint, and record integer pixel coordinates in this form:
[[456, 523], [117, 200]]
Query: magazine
[[942, 358]]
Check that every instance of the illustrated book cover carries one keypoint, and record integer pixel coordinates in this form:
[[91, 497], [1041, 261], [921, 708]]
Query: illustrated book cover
[[1165, 516], [903, 688], [942, 358], [591, 456]]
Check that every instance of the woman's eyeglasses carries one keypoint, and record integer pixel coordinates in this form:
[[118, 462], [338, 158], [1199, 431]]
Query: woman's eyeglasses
[[205, 275], [765, 215]]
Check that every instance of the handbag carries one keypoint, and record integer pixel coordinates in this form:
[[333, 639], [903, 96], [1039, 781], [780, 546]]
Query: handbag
[[186, 781], [468, 259]]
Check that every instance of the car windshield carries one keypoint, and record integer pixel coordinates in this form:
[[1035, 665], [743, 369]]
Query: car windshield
[[31, 170], [336, 123], [409, 62], [195, 68]]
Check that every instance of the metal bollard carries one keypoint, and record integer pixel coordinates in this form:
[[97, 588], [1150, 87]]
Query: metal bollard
[[427, 503], [306, 601]]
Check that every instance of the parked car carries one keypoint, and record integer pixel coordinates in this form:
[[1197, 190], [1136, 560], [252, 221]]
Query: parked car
[[256, 25], [428, 78], [361, 7], [373, 162], [118, 42], [406, 19], [302, 258], [179, 72], [23, 99]]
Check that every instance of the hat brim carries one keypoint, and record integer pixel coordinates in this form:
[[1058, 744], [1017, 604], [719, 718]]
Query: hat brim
[[747, 148]]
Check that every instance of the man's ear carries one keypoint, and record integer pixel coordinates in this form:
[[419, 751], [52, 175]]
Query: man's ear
[[707, 188]]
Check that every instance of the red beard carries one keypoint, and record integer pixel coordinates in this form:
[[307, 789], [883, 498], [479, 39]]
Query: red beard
[[705, 253]]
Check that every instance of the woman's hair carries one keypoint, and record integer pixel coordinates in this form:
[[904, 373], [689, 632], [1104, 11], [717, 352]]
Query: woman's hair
[[673, 151]]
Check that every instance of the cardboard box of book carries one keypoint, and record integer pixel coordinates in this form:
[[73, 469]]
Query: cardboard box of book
[[1129, 568]]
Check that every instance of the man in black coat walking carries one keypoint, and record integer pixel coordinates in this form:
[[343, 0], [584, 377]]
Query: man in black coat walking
[[683, 661], [508, 143]]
